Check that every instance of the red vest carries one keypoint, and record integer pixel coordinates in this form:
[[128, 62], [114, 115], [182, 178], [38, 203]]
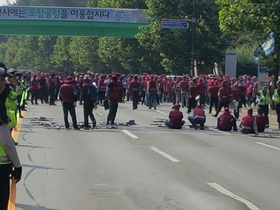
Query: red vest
[[152, 86], [225, 120], [247, 123], [175, 117], [261, 121], [102, 86], [198, 112], [114, 90]]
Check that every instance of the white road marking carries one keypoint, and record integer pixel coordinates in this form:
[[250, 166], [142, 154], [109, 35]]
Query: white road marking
[[169, 157], [267, 145], [130, 134], [161, 112], [232, 195], [99, 113], [216, 130]]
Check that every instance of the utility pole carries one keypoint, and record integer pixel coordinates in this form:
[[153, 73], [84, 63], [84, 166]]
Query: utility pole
[[194, 21]]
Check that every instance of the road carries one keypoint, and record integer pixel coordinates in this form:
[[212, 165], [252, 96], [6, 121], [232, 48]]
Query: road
[[143, 166]]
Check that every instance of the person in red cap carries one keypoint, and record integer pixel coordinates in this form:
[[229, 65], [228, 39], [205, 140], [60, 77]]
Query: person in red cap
[[226, 121], [134, 88], [198, 118], [68, 96], [248, 123], [112, 93], [225, 95], [175, 118], [52, 88], [152, 89]]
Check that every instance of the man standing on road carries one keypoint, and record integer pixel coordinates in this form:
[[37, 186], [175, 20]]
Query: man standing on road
[[134, 88], [89, 97], [8, 155], [68, 96], [112, 93], [264, 101]]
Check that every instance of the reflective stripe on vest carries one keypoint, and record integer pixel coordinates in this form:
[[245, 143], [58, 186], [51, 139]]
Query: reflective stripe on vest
[[4, 159]]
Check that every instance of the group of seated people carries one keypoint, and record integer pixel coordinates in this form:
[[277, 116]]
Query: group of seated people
[[249, 123]]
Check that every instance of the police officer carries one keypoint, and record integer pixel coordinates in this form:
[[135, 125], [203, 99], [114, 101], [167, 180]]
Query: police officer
[[9, 160], [276, 99], [264, 101]]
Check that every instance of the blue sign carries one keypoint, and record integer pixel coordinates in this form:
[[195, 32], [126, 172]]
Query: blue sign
[[174, 24]]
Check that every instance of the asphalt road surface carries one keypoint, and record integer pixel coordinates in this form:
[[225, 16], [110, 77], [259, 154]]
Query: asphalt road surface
[[143, 166]]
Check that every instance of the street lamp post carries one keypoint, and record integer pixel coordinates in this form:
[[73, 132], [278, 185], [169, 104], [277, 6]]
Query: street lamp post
[[194, 69]]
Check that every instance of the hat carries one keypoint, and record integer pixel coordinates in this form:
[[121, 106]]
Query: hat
[[3, 72], [12, 71], [69, 79], [176, 106], [226, 110], [2, 65]]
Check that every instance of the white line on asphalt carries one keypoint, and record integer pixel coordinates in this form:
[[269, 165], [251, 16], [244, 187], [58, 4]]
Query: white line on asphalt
[[130, 134], [169, 157], [161, 112], [230, 194], [219, 131], [99, 113], [267, 145]]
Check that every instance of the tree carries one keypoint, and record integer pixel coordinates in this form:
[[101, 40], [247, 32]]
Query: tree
[[256, 19]]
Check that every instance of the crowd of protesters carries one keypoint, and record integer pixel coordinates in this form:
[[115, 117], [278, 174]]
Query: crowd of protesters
[[211, 92]]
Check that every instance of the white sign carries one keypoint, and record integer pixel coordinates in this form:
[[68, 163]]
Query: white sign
[[231, 63], [69, 14], [262, 76]]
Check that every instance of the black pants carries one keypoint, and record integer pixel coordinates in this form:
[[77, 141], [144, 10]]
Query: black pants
[[135, 99], [192, 104], [5, 171], [278, 113], [221, 105], [69, 107], [34, 95], [88, 109], [113, 108], [213, 101]]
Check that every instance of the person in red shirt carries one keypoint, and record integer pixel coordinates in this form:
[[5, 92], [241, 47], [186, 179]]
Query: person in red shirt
[[112, 93], [192, 96], [198, 118], [260, 120], [248, 123], [213, 94], [175, 118], [35, 85], [201, 91], [184, 87], [226, 121], [68, 96], [52, 88], [134, 88], [224, 96]]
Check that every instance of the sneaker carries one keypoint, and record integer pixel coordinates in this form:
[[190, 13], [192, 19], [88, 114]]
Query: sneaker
[[201, 128], [109, 126], [114, 126]]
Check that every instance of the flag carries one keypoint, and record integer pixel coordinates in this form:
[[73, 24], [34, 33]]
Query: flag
[[269, 45]]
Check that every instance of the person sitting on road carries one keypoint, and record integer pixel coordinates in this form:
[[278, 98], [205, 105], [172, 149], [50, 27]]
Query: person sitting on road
[[248, 123], [260, 120], [175, 118], [198, 118], [226, 121]]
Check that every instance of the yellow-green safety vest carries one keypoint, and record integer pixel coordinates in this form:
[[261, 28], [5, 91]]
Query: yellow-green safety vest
[[266, 98], [276, 96], [4, 159]]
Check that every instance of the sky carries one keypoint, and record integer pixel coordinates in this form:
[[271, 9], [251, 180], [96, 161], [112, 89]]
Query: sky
[[4, 2]]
